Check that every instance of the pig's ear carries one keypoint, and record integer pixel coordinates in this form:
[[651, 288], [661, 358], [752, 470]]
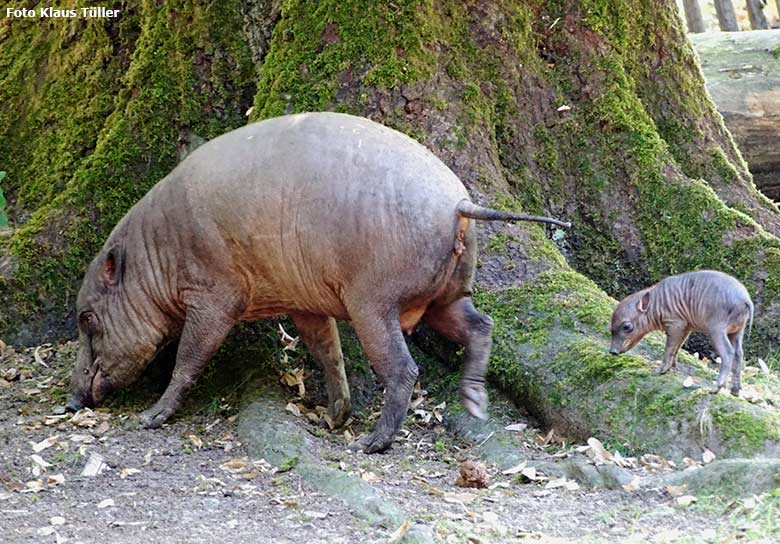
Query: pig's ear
[[643, 302], [113, 267]]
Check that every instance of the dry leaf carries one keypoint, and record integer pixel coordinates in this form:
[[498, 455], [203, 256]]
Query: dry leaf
[[564, 108], [57, 520], [102, 428], [236, 465], [82, 438], [676, 490], [196, 442], [516, 427], [46, 531], [562, 482], [459, 498], [399, 533], [530, 473], [685, 500], [600, 453], [106, 503], [315, 515], [128, 472], [293, 409], [633, 485], [761, 364], [707, 457], [688, 382], [33, 486], [38, 358], [40, 461], [370, 477], [43, 444], [515, 469]]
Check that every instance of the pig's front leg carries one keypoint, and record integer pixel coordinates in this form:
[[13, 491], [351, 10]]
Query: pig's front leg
[[676, 333], [202, 335]]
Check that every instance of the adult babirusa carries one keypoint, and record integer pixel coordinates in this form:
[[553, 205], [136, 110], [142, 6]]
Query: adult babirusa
[[318, 216]]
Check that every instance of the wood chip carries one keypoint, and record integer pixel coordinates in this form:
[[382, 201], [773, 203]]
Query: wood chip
[[94, 465]]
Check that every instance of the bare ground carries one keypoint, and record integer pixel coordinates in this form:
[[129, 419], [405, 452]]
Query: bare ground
[[194, 481]]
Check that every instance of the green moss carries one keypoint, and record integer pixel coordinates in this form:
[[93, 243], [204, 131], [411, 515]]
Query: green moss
[[745, 429], [499, 242], [316, 45], [100, 138]]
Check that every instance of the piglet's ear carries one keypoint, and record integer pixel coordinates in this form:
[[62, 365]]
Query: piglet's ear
[[113, 267], [643, 302]]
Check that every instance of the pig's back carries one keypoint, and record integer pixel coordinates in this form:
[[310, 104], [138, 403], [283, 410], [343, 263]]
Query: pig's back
[[313, 200]]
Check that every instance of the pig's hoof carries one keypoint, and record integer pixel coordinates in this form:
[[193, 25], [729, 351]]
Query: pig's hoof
[[372, 443], [716, 389], [339, 412], [662, 370], [735, 391], [474, 399], [154, 417]]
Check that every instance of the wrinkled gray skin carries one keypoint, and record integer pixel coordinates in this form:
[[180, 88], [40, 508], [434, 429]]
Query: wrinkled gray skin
[[704, 301], [319, 216]]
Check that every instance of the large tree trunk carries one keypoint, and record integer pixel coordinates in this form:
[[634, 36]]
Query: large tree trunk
[[727, 18], [591, 111], [755, 9], [693, 16], [743, 76]]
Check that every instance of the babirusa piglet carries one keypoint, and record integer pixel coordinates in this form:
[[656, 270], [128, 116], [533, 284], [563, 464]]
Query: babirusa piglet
[[703, 301]]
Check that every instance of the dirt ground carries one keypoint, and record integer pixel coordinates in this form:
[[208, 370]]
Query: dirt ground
[[192, 481]]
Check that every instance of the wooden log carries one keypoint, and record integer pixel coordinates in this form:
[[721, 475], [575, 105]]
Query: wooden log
[[742, 71]]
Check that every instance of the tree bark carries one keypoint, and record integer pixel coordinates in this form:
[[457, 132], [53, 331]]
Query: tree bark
[[693, 16], [592, 111], [755, 9], [727, 18]]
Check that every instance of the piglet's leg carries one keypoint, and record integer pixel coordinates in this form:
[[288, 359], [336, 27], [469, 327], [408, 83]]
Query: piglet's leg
[[736, 373], [676, 333], [321, 336], [202, 335], [462, 323], [726, 351], [383, 342]]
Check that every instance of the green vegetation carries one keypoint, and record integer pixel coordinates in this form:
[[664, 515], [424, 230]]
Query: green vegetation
[[3, 216], [104, 128]]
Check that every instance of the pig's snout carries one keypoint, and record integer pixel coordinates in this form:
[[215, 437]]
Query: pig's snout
[[614, 351], [74, 404]]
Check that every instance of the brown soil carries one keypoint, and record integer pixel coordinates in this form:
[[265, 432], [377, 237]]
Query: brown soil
[[184, 493]]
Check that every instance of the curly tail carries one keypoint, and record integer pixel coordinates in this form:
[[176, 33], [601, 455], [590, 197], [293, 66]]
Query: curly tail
[[466, 208]]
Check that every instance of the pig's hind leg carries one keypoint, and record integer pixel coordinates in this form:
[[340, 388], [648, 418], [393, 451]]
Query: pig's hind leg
[[722, 345], [321, 336], [736, 372], [462, 323], [383, 342]]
